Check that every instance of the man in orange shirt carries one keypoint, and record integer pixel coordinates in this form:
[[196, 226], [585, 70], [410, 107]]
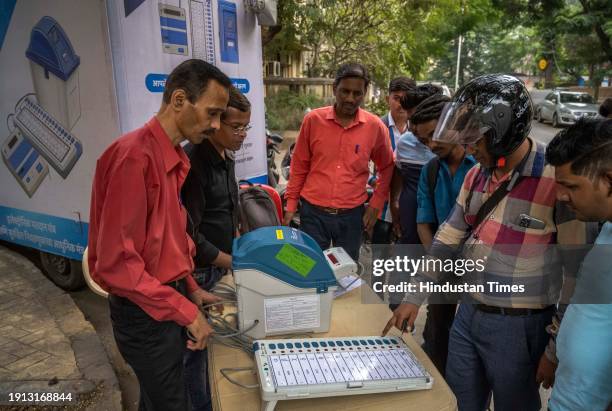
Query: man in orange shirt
[[329, 168]]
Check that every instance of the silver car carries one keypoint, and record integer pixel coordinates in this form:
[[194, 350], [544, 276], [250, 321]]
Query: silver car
[[565, 107]]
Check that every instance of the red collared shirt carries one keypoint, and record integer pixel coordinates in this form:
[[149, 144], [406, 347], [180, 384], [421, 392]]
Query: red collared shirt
[[330, 164], [137, 230]]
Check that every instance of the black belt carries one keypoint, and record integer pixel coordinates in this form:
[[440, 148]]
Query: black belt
[[511, 311], [178, 285], [332, 211]]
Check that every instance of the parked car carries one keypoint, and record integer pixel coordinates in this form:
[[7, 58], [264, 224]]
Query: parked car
[[562, 107]]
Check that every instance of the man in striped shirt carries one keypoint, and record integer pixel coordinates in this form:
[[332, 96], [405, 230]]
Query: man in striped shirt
[[506, 214]]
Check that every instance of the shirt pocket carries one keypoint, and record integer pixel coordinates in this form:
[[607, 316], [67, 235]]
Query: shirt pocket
[[533, 225], [356, 157]]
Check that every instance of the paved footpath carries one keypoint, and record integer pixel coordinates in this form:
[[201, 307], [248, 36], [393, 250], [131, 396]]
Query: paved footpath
[[47, 346]]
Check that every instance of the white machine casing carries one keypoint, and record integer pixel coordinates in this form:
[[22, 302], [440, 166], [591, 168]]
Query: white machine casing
[[284, 283], [341, 263], [58, 97], [254, 287]]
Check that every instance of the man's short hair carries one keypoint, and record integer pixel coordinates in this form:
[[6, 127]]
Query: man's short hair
[[414, 97], [606, 107], [192, 76], [587, 145], [401, 84], [238, 101], [355, 70], [429, 109]]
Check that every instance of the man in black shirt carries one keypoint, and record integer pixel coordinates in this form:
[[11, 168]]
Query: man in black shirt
[[210, 195]]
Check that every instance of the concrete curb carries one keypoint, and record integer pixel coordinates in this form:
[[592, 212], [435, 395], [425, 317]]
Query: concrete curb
[[98, 383]]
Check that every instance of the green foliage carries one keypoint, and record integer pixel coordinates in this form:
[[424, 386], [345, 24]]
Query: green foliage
[[418, 38], [285, 110], [380, 108]]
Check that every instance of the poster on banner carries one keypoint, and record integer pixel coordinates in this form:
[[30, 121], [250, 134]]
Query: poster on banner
[[77, 75], [157, 36], [58, 114]]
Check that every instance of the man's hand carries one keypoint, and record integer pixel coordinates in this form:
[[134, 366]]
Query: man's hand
[[404, 312], [288, 217], [199, 330], [223, 260], [546, 372], [369, 218], [201, 298]]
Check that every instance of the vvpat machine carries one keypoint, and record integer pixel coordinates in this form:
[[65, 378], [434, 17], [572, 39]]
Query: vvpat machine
[[55, 75], [284, 282]]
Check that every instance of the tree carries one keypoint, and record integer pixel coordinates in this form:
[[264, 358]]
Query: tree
[[419, 37]]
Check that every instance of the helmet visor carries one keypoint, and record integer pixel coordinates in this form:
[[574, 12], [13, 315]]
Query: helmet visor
[[460, 123]]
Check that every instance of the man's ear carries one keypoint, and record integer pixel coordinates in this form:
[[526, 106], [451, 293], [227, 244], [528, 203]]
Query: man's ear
[[607, 181], [178, 99]]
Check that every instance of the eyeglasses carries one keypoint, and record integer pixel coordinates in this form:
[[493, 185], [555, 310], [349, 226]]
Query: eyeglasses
[[238, 130]]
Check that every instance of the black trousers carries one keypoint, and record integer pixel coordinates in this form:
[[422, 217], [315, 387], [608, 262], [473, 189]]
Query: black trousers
[[343, 230], [155, 352], [436, 333], [382, 232], [408, 203]]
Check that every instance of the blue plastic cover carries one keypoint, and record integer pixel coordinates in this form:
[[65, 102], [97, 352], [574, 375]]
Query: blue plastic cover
[[51, 48], [286, 254]]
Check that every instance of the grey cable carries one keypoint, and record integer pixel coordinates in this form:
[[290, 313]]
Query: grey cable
[[224, 371]]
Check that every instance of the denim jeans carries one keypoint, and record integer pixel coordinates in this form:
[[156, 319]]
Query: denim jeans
[[344, 230], [196, 379], [196, 362], [496, 353]]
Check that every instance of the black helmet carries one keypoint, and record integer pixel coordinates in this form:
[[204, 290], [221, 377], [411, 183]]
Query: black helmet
[[496, 106]]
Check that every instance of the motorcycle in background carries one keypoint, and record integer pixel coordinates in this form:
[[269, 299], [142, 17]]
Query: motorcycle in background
[[273, 140]]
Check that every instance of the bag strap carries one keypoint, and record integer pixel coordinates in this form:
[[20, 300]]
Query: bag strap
[[433, 167], [497, 196], [492, 202], [385, 119]]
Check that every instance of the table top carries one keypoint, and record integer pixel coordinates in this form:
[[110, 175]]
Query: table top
[[350, 317]]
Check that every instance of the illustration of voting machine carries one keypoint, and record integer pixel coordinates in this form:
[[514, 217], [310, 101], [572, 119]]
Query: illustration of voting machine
[[284, 285], [42, 120]]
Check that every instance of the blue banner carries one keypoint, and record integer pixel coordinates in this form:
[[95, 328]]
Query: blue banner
[[156, 82], [44, 232], [6, 11], [241, 84]]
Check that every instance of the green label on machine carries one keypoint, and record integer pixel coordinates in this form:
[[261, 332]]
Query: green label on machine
[[295, 259]]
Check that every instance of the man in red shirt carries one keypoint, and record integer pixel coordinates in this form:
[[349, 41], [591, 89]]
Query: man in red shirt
[[139, 250], [330, 166]]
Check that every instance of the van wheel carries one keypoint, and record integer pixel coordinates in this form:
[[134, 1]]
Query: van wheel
[[65, 273]]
